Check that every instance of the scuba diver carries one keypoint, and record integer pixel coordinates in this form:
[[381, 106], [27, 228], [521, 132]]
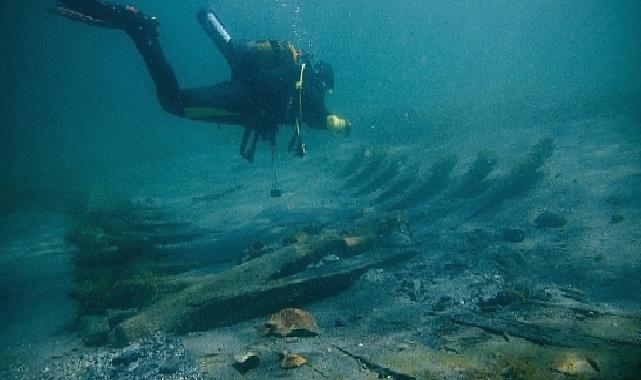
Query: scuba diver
[[272, 83]]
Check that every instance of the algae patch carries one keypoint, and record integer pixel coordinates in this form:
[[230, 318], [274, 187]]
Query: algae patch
[[119, 260]]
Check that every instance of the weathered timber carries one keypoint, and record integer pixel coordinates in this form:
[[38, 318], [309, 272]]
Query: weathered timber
[[289, 276], [539, 334]]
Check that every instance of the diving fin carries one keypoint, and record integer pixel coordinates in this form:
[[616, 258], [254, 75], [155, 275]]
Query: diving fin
[[107, 15]]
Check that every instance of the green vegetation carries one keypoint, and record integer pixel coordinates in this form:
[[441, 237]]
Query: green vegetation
[[118, 261]]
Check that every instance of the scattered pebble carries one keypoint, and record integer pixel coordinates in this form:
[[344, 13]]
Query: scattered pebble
[[160, 357], [245, 362]]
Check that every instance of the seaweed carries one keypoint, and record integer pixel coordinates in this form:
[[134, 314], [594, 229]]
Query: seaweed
[[118, 261]]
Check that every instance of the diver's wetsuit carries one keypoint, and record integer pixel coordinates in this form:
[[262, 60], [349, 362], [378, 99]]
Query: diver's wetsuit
[[261, 94]]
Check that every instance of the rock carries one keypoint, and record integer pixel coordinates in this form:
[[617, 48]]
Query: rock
[[245, 362], [293, 361], [512, 235], [127, 356], [550, 220], [94, 331], [291, 322], [574, 365]]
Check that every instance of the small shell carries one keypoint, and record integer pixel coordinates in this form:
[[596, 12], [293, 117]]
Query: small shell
[[573, 364], [293, 361], [291, 322]]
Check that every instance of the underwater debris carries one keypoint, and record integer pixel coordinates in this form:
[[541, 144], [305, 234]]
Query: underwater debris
[[500, 300], [474, 181], [437, 180], [118, 265], [392, 170], [355, 163], [548, 219], [523, 176], [291, 322], [267, 283], [291, 360], [245, 362], [372, 165], [399, 186], [255, 250]]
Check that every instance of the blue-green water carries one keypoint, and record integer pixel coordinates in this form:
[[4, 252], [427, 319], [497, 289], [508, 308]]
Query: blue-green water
[[76, 98], [422, 82]]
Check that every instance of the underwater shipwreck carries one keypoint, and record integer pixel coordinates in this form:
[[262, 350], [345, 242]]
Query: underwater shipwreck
[[427, 276], [467, 205]]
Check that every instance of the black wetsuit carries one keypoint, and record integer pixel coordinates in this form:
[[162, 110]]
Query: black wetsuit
[[261, 94]]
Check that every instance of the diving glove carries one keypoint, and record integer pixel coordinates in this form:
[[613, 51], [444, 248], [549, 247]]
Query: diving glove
[[336, 124]]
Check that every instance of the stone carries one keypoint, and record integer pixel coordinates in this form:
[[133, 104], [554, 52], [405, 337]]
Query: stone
[[291, 322], [127, 356], [245, 362], [573, 365], [548, 219], [292, 360]]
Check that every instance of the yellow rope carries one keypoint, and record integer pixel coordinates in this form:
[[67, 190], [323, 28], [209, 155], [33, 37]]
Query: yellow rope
[[299, 88]]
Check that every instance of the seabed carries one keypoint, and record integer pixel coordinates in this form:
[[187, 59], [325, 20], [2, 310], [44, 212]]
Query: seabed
[[445, 261]]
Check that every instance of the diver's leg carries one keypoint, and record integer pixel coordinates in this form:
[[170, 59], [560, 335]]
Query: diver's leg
[[167, 88], [143, 31]]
